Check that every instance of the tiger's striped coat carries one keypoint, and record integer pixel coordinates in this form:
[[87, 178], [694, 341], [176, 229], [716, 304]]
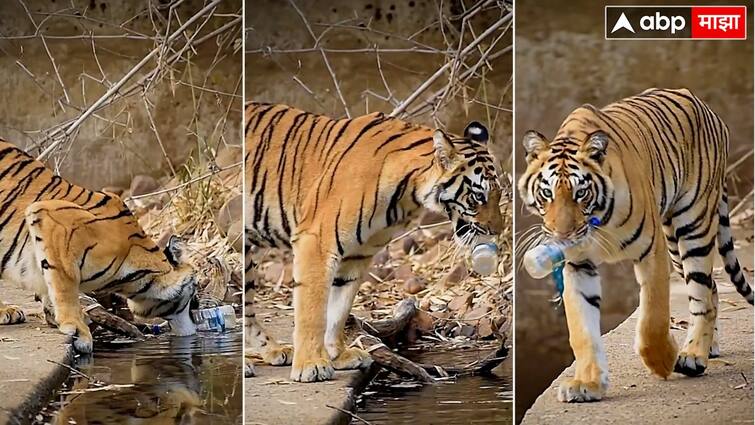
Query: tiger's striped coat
[[334, 191], [651, 168], [58, 239]]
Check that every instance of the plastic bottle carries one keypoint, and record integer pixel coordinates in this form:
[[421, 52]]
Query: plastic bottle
[[215, 319], [542, 260], [485, 258]]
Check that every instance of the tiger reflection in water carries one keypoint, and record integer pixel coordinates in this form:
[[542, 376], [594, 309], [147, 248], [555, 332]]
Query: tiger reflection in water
[[155, 389]]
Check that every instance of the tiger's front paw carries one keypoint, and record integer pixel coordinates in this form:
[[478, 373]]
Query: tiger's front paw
[[659, 356], [690, 364], [279, 356], [352, 358], [248, 369], [312, 370], [11, 315], [82, 337], [576, 391]]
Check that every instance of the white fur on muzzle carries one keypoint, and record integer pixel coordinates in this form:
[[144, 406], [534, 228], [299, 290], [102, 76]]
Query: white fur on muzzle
[[182, 325]]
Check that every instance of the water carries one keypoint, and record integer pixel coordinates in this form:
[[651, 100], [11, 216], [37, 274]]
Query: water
[[468, 400], [181, 380]]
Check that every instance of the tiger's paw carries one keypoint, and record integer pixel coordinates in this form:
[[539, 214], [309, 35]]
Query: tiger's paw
[[352, 358], [576, 391], [11, 315], [659, 357], [82, 337], [312, 370], [248, 369], [690, 364], [279, 356], [715, 351]]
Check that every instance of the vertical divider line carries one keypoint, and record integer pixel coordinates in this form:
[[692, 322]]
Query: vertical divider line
[[243, 210], [513, 212]]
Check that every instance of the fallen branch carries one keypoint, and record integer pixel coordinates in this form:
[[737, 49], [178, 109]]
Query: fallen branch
[[387, 328], [482, 367], [64, 132], [352, 414], [386, 358], [107, 320], [471, 46], [372, 334]]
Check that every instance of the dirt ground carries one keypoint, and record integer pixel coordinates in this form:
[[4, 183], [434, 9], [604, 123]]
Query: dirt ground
[[31, 354], [272, 399]]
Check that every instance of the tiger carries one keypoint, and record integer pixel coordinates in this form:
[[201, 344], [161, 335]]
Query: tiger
[[334, 191], [167, 389], [58, 239], [616, 183]]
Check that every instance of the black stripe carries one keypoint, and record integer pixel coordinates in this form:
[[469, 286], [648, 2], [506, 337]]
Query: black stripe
[[130, 277], [339, 281], [84, 256], [100, 273], [586, 267], [700, 251], [593, 300], [701, 278]]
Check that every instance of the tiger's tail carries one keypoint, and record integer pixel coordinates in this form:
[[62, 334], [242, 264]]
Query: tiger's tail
[[726, 249]]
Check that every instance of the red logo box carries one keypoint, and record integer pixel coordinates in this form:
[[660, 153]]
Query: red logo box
[[719, 22]]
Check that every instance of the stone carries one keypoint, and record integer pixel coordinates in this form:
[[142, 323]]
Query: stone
[[230, 213], [382, 257], [467, 331], [485, 328], [409, 245], [403, 272], [143, 184], [456, 275], [235, 235], [477, 313], [414, 284], [115, 190], [461, 303]]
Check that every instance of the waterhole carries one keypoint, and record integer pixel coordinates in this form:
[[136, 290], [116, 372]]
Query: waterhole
[[466, 400], [165, 379]]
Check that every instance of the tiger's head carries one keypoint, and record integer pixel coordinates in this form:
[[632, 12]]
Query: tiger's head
[[565, 182], [170, 294], [468, 189]]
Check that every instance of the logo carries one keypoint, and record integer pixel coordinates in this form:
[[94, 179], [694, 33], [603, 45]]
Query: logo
[[622, 22], [676, 22]]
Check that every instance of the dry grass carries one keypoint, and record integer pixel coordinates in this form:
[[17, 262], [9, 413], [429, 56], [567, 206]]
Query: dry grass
[[456, 302], [191, 212]]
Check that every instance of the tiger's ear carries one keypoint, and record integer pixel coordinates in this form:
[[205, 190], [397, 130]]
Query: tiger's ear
[[174, 250], [476, 132], [534, 143], [595, 146], [444, 149]]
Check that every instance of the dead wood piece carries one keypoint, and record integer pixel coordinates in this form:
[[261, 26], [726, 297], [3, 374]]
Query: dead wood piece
[[396, 363], [107, 320], [482, 367], [372, 334], [386, 328]]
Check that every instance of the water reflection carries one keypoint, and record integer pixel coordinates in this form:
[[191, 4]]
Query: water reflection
[[177, 380], [470, 400]]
